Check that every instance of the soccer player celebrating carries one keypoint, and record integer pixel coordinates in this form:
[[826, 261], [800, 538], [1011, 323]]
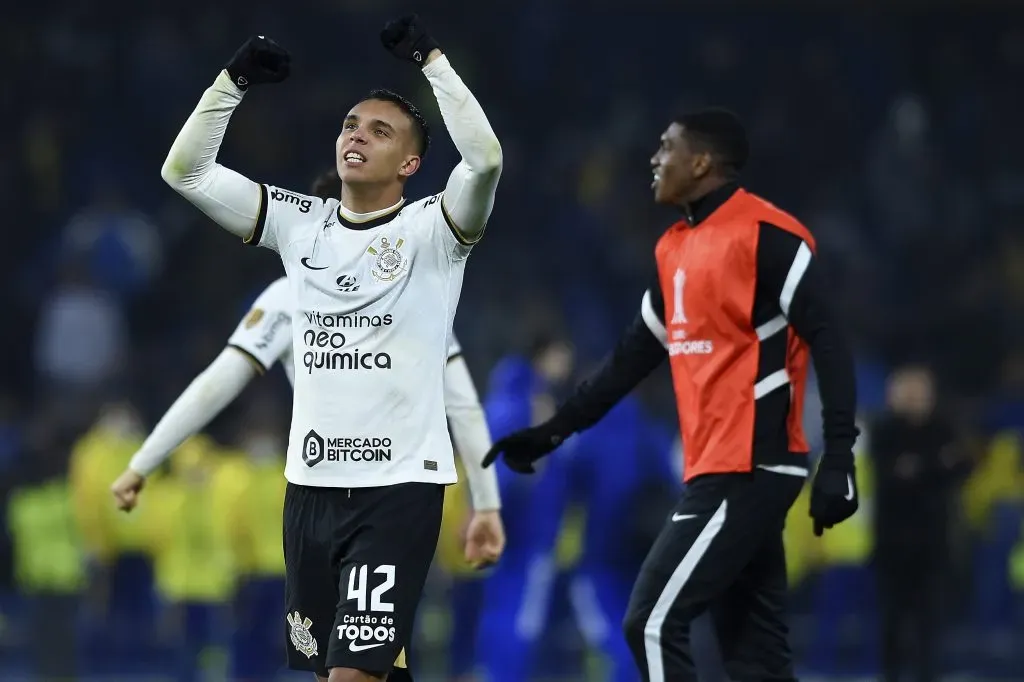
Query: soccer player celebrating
[[263, 338], [374, 284], [737, 306]]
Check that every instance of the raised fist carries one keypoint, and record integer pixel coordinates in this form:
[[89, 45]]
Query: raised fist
[[259, 60]]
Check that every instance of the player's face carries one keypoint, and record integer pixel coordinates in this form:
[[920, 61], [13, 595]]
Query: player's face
[[677, 167], [912, 392], [377, 145], [556, 362]]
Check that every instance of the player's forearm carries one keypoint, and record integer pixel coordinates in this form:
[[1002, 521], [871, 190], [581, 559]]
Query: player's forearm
[[833, 365], [472, 440], [191, 167], [207, 395], [636, 355], [470, 435], [812, 318], [469, 196]]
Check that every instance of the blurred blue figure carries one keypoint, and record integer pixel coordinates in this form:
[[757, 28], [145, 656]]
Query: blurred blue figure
[[517, 594], [621, 472]]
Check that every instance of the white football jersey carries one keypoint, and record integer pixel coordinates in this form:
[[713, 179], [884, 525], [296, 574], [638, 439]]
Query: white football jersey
[[265, 333], [372, 309]]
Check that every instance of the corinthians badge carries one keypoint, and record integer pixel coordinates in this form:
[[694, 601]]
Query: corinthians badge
[[390, 262], [301, 638]]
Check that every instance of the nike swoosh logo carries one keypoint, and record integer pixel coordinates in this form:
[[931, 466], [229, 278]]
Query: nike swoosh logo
[[305, 264], [682, 517], [849, 488], [356, 648]]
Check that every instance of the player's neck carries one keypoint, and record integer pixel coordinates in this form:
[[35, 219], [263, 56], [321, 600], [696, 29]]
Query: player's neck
[[706, 187], [706, 198], [370, 198]]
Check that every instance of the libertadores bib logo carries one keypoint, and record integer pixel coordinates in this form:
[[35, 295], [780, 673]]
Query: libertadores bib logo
[[313, 449], [390, 262], [302, 638]]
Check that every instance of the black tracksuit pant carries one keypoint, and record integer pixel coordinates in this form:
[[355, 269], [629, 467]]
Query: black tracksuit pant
[[720, 549]]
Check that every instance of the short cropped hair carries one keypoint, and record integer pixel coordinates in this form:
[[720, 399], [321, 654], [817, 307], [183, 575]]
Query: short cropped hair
[[420, 127], [720, 133]]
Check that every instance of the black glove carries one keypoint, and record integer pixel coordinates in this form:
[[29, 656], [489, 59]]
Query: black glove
[[406, 39], [834, 492], [525, 447], [259, 60]]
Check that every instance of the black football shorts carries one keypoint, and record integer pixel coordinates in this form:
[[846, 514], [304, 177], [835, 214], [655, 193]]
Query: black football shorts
[[356, 562]]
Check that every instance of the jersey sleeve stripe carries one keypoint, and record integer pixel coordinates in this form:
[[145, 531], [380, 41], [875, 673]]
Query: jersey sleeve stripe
[[253, 360], [261, 220], [651, 319], [771, 382], [796, 273], [771, 327], [459, 236]]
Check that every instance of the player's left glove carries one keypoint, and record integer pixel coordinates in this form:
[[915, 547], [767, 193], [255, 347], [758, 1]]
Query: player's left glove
[[834, 491], [523, 448], [407, 39]]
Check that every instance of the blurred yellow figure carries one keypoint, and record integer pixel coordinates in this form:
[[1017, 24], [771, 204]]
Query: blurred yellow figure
[[47, 549], [195, 567], [249, 489], [996, 478], [96, 459], [121, 604], [188, 528], [1016, 568], [49, 572], [802, 549]]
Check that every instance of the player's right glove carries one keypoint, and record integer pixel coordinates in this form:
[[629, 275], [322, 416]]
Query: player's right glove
[[259, 60], [834, 492], [523, 448], [407, 39]]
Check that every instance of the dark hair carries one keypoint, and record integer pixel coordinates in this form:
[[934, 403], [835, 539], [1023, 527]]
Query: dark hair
[[719, 132], [327, 185], [422, 130]]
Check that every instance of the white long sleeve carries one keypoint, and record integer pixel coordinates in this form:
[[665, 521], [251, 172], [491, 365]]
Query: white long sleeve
[[470, 434], [205, 398], [231, 200], [469, 194]]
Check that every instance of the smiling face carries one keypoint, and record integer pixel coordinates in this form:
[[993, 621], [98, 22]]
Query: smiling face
[[377, 145], [678, 168]]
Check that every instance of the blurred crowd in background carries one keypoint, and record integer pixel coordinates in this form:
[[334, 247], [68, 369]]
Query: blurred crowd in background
[[894, 135]]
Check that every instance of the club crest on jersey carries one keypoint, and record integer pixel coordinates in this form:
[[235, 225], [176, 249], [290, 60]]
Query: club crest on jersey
[[390, 262], [301, 638]]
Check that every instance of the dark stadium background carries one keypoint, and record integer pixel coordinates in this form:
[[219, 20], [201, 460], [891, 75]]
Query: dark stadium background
[[895, 133]]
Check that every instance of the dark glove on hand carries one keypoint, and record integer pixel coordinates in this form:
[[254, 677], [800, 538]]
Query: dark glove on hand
[[259, 60], [406, 39], [834, 492], [525, 447]]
